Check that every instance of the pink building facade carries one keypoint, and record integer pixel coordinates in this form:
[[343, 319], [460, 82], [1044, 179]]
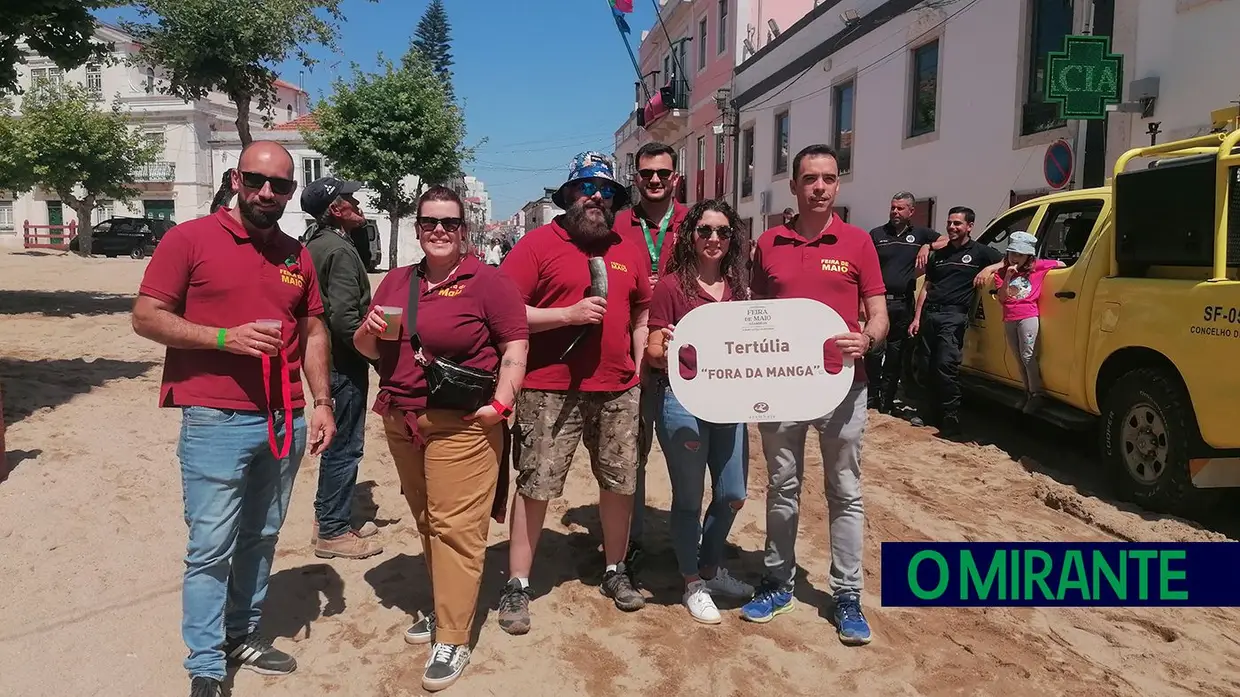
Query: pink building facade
[[687, 62]]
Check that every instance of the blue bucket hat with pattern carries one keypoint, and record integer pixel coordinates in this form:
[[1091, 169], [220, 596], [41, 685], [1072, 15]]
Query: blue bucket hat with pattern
[[592, 165]]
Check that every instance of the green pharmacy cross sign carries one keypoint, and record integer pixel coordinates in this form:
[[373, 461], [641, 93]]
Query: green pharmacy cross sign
[[1084, 77]]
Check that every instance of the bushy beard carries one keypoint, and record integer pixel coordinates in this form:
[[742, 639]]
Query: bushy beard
[[261, 220], [585, 229]]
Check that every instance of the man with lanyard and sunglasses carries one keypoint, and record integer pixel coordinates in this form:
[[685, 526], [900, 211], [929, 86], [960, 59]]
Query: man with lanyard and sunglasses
[[236, 302], [581, 385], [651, 226]]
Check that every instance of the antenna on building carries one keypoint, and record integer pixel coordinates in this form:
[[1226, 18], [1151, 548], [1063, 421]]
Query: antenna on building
[[850, 17], [774, 26]]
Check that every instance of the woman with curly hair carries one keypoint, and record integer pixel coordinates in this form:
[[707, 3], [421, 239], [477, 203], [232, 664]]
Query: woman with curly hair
[[708, 265]]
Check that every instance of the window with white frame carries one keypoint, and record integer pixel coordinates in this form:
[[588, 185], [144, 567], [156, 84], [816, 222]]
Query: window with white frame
[[782, 125], [94, 79], [842, 136], [924, 98], [703, 36], [103, 211], [6, 217], [721, 38], [1049, 22], [667, 68], [311, 169], [50, 76], [747, 162]]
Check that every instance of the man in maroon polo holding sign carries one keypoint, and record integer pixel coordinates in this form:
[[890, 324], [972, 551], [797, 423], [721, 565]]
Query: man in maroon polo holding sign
[[236, 302], [651, 226], [820, 257]]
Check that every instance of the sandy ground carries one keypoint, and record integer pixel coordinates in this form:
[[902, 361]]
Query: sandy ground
[[92, 534]]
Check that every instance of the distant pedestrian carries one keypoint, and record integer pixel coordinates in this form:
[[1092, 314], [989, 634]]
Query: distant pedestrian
[[448, 378], [236, 302], [345, 289], [822, 258], [650, 225], [582, 385]]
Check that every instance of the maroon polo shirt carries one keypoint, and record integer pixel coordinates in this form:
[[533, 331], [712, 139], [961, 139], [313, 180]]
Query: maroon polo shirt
[[550, 270], [216, 275], [464, 320], [838, 268], [669, 303], [628, 227]]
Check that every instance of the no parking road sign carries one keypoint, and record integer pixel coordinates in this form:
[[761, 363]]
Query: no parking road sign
[[1058, 164]]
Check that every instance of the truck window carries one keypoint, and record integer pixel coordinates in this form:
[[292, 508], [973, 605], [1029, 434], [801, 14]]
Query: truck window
[[996, 236], [1066, 228]]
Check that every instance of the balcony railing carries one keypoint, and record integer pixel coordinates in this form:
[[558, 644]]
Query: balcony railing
[[156, 172]]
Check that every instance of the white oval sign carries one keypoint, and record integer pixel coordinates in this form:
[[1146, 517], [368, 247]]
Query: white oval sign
[[759, 360]]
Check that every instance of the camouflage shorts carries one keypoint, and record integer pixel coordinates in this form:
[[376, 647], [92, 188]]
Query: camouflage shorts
[[552, 423]]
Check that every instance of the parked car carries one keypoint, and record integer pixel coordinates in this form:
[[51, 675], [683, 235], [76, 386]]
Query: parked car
[[134, 237]]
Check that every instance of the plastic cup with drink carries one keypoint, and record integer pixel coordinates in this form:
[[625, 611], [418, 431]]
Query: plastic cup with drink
[[391, 315]]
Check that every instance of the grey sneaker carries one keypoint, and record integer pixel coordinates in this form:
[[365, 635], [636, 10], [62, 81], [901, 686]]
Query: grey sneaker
[[619, 587], [422, 631], [202, 686], [514, 608], [257, 654], [445, 665]]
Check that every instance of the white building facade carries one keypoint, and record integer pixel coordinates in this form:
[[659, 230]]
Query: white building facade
[[540, 211], [181, 184], [946, 101]]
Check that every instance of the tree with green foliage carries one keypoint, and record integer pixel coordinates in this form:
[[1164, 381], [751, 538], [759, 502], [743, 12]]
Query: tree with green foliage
[[434, 41], [231, 46], [60, 30], [386, 127], [63, 143]]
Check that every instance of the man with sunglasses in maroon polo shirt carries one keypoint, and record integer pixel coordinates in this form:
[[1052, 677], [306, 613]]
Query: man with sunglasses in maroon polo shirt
[[651, 226], [581, 385], [236, 301]]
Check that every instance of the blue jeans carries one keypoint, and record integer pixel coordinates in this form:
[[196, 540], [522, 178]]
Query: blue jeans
[[236, 495], [691, 447], [333, 505]]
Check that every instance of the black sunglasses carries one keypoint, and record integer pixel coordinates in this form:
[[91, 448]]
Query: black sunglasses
[[705, 231], [279, 186], [649, 173], [428, 224]]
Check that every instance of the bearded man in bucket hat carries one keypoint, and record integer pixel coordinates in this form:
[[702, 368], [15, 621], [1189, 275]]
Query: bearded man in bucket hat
[[581, 384]]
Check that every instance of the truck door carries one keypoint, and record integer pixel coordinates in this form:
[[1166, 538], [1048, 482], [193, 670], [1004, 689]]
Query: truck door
[[985, 346], [1064, 234]]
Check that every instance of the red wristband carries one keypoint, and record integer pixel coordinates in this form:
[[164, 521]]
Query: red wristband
[[503, 409]]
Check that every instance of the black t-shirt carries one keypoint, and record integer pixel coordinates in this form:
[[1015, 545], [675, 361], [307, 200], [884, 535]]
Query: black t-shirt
[[951, 271], [897, 255]]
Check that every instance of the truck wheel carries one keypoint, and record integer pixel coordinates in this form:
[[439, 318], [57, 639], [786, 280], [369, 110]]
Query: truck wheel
[[1147, 427]]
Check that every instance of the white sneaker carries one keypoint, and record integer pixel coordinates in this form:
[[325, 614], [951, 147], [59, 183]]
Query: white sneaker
[[725, 584], [444, 666], [700, 605]]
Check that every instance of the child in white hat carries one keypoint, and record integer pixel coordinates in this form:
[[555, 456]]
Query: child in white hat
[[1019, 282]]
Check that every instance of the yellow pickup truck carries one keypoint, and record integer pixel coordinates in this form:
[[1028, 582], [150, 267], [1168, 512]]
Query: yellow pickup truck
[[1140, 331]]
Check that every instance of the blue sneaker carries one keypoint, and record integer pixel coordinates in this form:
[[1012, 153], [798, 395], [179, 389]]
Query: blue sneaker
[[853, 628], [769, 601]]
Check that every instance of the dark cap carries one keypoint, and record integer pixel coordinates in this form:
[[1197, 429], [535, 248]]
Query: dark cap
[[319, 195]]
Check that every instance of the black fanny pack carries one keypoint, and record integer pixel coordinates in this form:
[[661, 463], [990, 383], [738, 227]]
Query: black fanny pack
[[449, 385]]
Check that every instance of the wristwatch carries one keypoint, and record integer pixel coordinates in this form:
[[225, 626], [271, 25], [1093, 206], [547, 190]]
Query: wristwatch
[[329, 403], [873, 342], [503, 409]]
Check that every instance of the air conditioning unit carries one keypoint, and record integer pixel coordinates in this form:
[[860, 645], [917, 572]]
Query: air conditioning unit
[[764, 202]]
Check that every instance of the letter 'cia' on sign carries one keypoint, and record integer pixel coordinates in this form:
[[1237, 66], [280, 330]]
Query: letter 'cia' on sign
[[759, 360]]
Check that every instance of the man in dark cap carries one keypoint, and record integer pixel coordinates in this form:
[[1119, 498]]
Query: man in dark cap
[[345, 290]]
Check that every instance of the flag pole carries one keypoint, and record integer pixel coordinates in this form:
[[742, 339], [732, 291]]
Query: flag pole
[[621, 25]]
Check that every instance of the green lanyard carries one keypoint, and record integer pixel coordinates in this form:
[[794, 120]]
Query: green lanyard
[[656, 246]]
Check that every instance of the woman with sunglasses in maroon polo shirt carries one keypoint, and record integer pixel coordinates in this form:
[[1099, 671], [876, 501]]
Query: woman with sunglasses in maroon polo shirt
[[450, 368], [708, 265]]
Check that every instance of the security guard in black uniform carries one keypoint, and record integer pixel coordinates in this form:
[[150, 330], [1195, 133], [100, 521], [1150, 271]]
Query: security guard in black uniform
[[903, 249], [953, 275]]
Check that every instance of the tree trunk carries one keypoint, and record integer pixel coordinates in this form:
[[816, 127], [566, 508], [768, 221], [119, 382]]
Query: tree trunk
[[85, 209], [394, 217], [242, 102]]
